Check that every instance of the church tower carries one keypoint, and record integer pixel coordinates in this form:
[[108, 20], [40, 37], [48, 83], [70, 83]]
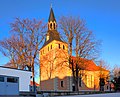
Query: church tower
[[54, 67]]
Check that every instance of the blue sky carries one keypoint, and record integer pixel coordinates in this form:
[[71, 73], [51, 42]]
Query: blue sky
[[102, 17]]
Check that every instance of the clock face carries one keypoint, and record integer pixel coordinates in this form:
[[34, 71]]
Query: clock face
[[47, 38]]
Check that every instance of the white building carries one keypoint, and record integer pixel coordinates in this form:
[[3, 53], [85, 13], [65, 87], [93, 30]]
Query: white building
[[13, 80]]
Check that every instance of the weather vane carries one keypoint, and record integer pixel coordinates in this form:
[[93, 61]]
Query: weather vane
[[51, 5]]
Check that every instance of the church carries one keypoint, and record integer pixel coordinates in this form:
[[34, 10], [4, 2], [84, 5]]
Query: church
[[55, 72]]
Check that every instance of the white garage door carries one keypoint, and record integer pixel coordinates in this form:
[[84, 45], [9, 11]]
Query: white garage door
[[9, 85]]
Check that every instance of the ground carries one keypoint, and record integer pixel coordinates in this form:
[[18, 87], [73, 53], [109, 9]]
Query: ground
[[97, 95]]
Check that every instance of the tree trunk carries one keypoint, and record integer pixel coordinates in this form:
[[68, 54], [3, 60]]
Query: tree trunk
[[77, 88], [33, 76]]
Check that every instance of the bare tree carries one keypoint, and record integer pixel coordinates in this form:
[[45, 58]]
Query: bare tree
[[103, 66], [80, 40], [24, 44], [67, 24], [104, 73], [116, 77], [116, 71]]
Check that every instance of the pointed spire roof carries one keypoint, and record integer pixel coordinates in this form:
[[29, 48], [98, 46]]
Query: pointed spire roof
[[53, 34], [51, 16]]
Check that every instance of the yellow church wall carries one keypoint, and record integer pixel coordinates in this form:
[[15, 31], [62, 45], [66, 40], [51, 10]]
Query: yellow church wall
[[90, 79], [54, 61], [54, 66]]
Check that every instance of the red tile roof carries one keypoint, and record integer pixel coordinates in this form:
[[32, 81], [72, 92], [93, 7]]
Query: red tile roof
[[86, 64]]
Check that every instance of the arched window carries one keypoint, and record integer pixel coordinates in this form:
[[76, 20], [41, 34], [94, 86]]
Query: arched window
[[86, 79], [62, 84], [51, 46], [50, 25], [63, 47], [48, 48], [54, 26], [59, 46]]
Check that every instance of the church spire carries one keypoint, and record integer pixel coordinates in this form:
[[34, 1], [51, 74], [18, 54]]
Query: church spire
[[51, 16], [52, 21]]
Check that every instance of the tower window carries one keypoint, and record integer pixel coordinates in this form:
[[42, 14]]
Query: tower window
[[63, 47], [50, 25], [59, 46], [43, 51], [61, 84], [54, 25], [48, 48], [51, 46]]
